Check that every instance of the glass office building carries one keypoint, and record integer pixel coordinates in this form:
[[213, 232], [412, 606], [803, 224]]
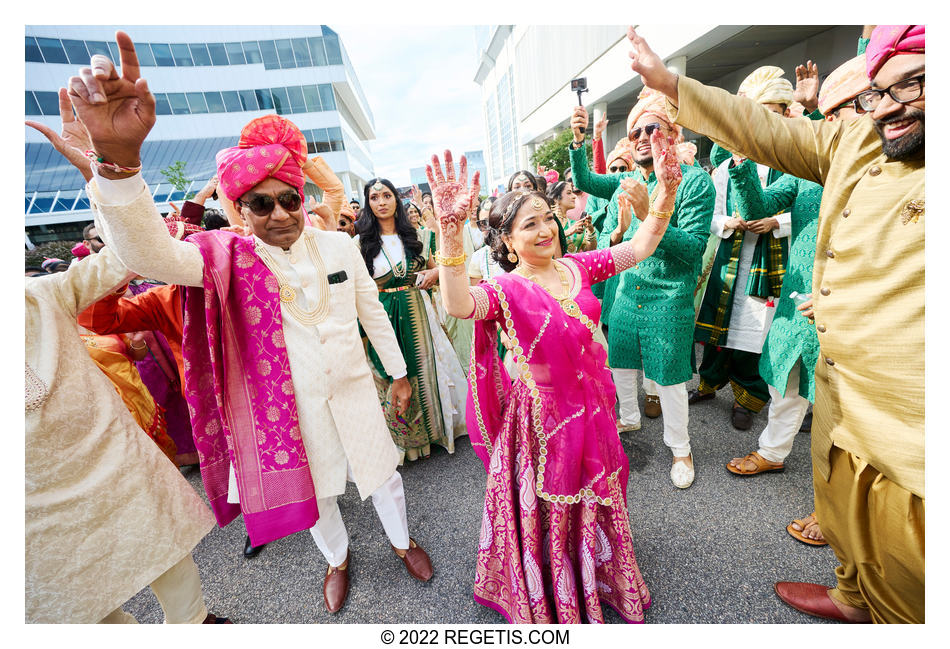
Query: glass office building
[[208, 82]]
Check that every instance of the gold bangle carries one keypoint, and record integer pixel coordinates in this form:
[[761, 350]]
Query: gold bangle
[[144, 345], [661, 215], [449, 261]]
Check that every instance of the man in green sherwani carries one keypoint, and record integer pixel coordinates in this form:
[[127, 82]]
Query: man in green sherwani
[[651, 322], [746, 276]]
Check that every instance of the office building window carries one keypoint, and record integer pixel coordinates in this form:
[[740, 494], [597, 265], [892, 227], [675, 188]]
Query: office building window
[[218, 54], [48, 101], [281, 102], [32, 108], [301, 52], [144, 52], [252, 52], [286, 53], [264, 98], [76, 51], [317, 53], [199, 54], [178, 103], [248, 100], [215, 103], [295, 94], [196, 101], [312, 98], [162, 107], [231, 101], [33, 53], [182, 55], [98, 47], [52, 50], [235, 53], [269, 55], [326, 97], [332, 43], [163, 55]]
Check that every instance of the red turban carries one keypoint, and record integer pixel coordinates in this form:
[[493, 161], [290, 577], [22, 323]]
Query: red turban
[[269, 146], [890, 40]]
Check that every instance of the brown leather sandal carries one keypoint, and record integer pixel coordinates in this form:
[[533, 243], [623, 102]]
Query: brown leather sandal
[[761, 465], [800, 536]]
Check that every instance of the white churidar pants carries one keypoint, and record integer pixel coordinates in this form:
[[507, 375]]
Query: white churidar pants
[[673, 401], [785, 418], [178, 590], [390, 502]]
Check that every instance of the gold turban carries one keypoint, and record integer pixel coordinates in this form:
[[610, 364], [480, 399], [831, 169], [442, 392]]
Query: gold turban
[[844, 84], [653, 103], [767, 86]]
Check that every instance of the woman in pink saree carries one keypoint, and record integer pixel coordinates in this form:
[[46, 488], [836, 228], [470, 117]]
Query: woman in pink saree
[[555, 539]]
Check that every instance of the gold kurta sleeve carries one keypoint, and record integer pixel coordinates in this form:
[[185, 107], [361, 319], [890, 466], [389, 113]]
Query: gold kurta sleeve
[[868, 280]]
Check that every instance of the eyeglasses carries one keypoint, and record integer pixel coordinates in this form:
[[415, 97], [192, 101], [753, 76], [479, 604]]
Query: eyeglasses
[[99, 239], [649, 128], [903, 92], [617, 169], [263, 204]]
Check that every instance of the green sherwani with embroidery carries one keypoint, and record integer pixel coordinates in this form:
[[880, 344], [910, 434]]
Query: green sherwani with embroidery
[[650, 325]]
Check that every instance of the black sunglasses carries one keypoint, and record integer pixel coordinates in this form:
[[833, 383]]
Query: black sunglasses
[[99, 239], [649, 128], [617, 170], [263, 204]]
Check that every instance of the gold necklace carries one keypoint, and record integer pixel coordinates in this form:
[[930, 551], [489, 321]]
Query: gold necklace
[[396, 273], [567, 303], [288, 296]]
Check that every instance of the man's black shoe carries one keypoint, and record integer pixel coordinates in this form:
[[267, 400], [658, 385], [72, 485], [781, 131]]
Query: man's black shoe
[[250, 550]]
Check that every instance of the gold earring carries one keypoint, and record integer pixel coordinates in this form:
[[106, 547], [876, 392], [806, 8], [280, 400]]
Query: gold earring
[[512, 257]]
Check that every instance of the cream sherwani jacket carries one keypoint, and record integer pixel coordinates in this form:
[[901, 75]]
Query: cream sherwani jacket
[[868, 282], [341, 420], [106, 512]]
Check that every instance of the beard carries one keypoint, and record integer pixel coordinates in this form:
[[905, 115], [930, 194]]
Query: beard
[[906, 145], [643, 161]]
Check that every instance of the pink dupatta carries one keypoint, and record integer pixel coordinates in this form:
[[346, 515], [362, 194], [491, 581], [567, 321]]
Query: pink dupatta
[[566, 376], [240, 392]]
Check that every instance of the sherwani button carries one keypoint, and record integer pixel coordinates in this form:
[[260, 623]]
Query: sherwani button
[[330, 397], [293, 259], [326, 371], [821, 329], [875, 170], [323, 340], [825, 291], [830, 253], [846, 213], [829, 361]]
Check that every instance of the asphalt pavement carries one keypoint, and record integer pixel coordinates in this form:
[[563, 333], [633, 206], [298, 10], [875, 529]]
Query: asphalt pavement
[[709, 554]]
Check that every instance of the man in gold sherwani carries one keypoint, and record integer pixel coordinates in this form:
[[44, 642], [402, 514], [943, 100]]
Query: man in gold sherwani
[[868, 287]]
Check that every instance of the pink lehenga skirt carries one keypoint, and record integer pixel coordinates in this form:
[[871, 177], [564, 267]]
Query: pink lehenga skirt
[[545, 562]]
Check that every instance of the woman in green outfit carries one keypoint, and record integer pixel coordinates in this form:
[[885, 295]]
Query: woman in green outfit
[[580, 234], [402, 269]]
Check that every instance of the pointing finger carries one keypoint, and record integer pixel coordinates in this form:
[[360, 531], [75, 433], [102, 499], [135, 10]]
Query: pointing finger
[[129, 60]]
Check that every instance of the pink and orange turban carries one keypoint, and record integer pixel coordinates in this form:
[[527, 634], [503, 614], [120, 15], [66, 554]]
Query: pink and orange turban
[[891, 40], [269, 146], [621, 152], [652, 102], [844, 84], [686, 153]]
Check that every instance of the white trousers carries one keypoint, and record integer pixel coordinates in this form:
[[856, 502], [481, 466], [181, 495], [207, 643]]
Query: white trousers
[[673, 401], [390, 502], [785, 418], [178, 590]]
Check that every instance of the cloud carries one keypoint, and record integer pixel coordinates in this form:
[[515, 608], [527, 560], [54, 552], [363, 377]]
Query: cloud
[[427, 102]]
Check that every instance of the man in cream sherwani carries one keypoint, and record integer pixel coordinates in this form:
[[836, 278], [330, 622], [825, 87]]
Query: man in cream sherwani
[[324, 288]]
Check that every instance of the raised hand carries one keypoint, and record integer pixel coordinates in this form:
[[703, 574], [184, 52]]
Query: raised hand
[[579, 123], [638, 196], [312, 203], [650, 67], [417, 196], [451, 198], [74, 140], [806, 86], [118, 111], [600, 126], [667, 168], [624, 214], [206, 191]]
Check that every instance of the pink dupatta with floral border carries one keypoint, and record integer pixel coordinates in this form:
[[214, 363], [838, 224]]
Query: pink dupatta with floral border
[[565, 369], [240, 392]]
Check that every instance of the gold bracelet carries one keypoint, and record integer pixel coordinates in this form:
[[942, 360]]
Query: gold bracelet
[[144, 345], [449, 261], [661, 215]]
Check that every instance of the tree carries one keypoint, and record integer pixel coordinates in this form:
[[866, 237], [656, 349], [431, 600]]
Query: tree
[[175, 175], [553, 154]]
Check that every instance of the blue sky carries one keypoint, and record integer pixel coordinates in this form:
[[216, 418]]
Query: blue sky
[[420, 84]]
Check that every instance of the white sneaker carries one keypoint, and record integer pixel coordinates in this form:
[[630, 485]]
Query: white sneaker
[[626, 428], [682, 474]]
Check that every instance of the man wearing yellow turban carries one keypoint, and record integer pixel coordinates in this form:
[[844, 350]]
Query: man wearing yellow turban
[[746, 276]]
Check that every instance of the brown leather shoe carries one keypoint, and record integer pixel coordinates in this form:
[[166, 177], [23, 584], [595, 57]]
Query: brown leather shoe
[[812, 599], [417, 561], [651, 406], [695, 396], [214, 619], [336, 586], [741, 417]]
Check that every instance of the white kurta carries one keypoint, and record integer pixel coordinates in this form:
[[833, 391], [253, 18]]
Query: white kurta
[[106, 512], [339, 413], [751, 316]]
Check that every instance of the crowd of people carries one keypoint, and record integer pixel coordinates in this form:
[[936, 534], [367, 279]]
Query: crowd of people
[[287, 349]]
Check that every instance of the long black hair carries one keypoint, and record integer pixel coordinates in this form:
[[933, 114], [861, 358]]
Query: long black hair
[[502, 217], [367, 227]]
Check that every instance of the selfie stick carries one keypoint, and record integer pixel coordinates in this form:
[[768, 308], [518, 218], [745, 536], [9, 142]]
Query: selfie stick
[[581, 103]]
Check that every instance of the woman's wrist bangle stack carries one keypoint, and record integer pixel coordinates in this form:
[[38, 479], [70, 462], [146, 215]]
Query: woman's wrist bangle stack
[[449, 261], [660, 215]]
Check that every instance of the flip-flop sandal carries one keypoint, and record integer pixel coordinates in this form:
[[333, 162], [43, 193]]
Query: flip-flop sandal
[[761, 465], [798, 536]]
